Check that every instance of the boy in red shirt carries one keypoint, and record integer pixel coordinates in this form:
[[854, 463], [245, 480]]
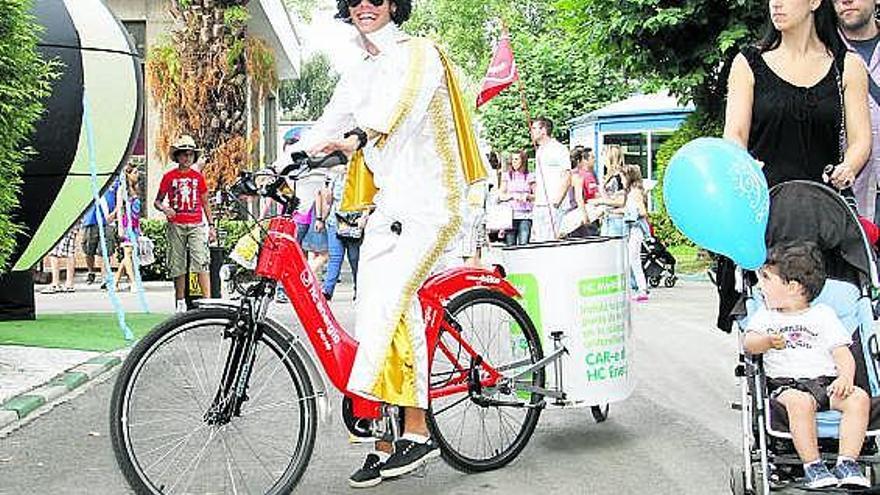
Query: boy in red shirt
[[187, 196]]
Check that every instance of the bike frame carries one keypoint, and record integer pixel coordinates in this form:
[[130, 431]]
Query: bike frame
[[282, 259]]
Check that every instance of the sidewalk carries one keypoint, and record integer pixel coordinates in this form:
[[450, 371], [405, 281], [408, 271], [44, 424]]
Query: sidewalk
[[31, 377], [34, 379]]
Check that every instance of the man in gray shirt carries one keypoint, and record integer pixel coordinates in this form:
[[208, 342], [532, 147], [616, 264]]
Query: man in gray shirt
[[860, 32]]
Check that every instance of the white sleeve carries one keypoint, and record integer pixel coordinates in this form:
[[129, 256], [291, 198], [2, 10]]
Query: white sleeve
[[335, 120], [833, 332], [759, 322], [403, 90]]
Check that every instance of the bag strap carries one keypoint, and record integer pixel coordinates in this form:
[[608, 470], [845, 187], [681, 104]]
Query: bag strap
[[838, 75]]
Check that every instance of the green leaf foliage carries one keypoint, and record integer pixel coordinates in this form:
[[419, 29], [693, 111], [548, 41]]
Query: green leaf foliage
[[230, 232], [305, 97], [561, 80], [25, 80], [697, 125], [685, 46]]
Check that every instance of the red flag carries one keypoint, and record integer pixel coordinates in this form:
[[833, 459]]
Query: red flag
[[502, 71]]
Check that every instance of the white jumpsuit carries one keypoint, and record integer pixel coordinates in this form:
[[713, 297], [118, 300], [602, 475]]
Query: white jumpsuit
[[402, 94]]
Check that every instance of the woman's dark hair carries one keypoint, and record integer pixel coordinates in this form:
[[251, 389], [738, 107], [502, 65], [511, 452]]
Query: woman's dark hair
[[826, 28], [494, 160], [523, 158], [399, 16], [578, 154]]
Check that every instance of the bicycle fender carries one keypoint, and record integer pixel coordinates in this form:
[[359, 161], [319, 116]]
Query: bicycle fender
[[319, 385], [446, 284]]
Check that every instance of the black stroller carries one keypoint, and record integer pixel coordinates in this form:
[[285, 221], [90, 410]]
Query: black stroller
[[808, 211], [658, 263]]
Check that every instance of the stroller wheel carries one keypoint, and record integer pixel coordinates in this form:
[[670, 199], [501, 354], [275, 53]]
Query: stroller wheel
[[738, 482], [670, 281], [654, 281], [600, 414]]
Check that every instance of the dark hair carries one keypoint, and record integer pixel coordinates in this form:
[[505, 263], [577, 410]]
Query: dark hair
[[399, 16], [800, 262], [826, 28], [494, 160], [523, 158], [546, 124], [578, 154]]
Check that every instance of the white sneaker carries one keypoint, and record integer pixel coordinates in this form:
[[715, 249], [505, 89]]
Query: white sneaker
[[181, 306]]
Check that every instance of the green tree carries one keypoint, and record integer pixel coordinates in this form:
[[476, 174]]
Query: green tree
[[685, 46], [302, 8], [25, 79], [560, 82], [305, 97]]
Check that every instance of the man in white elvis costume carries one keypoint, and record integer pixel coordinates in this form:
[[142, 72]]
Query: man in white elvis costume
[[399, 114]]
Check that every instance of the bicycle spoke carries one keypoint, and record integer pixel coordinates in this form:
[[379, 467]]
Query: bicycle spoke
[[195, 462], [476, 433], [168, 436], [457, 402]]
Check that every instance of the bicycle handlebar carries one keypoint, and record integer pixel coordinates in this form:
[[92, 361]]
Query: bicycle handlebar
[[301, 164]]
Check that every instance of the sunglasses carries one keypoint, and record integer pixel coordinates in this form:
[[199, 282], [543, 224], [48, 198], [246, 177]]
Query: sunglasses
[[354, 3]]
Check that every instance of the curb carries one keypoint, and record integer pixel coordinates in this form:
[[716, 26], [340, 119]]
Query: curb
[[22, 405]]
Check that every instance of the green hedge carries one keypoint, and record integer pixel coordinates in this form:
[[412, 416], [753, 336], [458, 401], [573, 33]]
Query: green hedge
[[694, 126], [25, 79], [230, 232]]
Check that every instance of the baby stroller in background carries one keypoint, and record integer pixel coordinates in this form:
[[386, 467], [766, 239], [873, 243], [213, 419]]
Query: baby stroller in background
[[658, 263], [808, 211]]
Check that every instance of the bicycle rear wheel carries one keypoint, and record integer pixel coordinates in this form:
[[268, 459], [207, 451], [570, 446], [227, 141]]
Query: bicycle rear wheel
[[486, 431], [161, 437]]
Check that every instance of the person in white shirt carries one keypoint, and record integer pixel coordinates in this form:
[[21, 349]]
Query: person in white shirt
[[808, 362], [552, 159], [399, 114]]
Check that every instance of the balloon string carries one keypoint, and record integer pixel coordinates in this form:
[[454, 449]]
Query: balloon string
[[93, 168], [134, 240]]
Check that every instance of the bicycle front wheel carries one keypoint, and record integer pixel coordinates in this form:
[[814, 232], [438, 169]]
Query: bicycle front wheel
[[487, 430], [162, 436]]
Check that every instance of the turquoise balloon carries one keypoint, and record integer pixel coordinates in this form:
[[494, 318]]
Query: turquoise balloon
[[717, 196]]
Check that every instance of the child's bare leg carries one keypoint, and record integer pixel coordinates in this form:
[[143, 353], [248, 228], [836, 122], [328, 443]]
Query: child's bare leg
[[70, 269], [855, 410], [801, 409]]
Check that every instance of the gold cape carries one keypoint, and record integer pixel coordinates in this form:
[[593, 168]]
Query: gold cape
[[359, 186]]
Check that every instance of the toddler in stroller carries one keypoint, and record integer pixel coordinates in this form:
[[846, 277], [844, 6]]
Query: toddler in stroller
[[807, 361], [658, 263], [782, 430]]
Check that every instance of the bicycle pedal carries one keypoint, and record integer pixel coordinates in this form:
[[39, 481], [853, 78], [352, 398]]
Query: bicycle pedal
[[354, 439]]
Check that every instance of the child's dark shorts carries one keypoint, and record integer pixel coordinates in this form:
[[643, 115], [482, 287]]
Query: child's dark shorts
[[817, 387]]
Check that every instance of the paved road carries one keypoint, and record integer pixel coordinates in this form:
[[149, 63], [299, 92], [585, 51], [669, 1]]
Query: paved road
[[675, 435]]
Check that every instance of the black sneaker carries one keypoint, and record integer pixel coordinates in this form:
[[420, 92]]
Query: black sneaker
[[368, 475], [90, 279], [408, 456]]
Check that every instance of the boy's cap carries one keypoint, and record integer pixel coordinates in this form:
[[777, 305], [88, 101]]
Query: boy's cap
[[184, 143]]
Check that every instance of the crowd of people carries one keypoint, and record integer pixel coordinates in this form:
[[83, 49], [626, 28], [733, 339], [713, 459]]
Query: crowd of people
[[566, 201], [117, 213]]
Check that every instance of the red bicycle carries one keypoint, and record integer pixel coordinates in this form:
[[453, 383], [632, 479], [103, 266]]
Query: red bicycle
[[224, 399]]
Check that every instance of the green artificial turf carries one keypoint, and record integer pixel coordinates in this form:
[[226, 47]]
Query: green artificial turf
[[82, 331]]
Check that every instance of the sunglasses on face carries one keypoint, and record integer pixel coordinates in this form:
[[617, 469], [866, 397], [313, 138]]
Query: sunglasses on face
[[354, 3]]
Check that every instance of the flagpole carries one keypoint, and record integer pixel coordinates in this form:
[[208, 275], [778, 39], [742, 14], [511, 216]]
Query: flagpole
[[528, 116]]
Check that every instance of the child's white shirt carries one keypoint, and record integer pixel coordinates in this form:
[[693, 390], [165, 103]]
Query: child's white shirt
[[810, 337]]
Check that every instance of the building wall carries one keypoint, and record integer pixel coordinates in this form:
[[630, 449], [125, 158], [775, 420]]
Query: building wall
[[158, 21]]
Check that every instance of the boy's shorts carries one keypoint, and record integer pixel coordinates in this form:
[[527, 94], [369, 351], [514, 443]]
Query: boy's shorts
[[91, 242], [183, 238], [817, 387]]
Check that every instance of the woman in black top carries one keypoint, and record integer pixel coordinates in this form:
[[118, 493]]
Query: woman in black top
[[785, 94], [784, 106]]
